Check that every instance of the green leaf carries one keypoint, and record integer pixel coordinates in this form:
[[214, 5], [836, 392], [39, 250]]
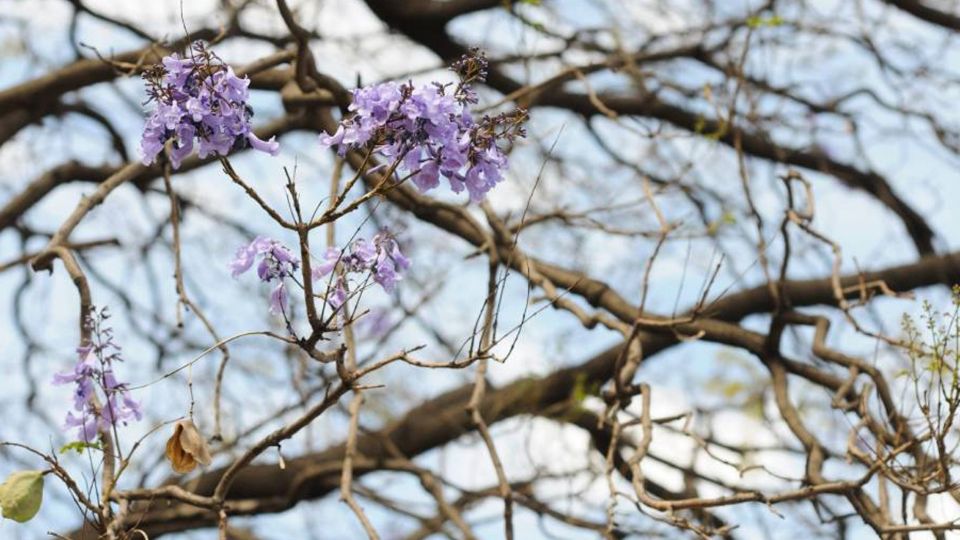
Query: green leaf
[[79, 446], [728, 218], [582, 389], [699, 125], [758, 22], [21, 495], [732, 389], [579, 388], [719, 133]]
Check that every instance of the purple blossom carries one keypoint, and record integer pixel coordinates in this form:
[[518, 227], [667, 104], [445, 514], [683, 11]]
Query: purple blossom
[[429, 131], [93, 371], [375, 324], [246, 255], [390, 262], [87, 423], [379, 258], [278, 299], [337, 295], [330, 260], [362, 255], [276, 263], [198, 98]]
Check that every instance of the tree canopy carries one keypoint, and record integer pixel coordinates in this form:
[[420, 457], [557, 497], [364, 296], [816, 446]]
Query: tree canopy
[[480, 269]]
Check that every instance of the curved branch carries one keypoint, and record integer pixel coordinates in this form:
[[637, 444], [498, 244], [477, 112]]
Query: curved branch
[[924, 12]]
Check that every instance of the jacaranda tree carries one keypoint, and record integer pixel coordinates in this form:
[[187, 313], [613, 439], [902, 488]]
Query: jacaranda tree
[[524, 269]]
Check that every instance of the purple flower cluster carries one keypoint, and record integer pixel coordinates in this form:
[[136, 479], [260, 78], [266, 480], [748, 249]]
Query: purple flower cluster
[[94, 369], [276, 263], [429, 132], [198, 98], [380, 258]]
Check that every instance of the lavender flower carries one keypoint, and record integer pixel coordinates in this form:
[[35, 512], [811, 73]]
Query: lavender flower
[[389, 261], [276, 263], [380, 259], [94, 370], [429, 131], [337, 295], [375, 324], [330, 260], [198, 98]]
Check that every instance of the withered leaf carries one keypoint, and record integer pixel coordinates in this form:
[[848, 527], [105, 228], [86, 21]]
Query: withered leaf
[[186, 448]]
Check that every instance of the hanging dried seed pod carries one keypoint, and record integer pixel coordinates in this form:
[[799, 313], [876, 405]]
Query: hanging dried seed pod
[[186, 448]]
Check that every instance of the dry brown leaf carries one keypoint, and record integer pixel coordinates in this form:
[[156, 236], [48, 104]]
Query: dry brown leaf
[[186, 448]]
